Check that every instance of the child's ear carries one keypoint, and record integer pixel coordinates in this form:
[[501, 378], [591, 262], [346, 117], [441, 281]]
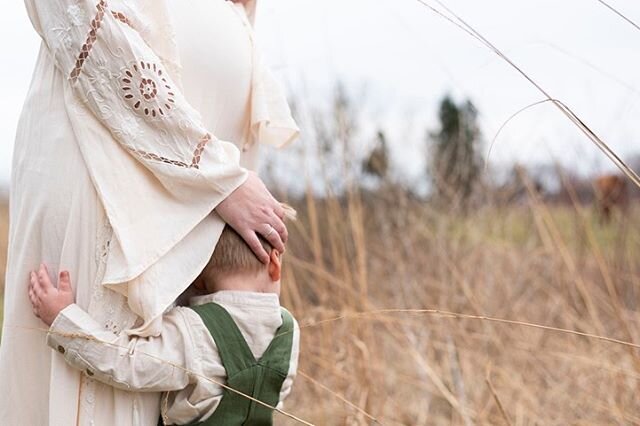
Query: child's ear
[[275, 265]]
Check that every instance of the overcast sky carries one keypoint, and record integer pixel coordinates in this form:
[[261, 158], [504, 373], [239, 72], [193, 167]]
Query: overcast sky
[[405, 58]]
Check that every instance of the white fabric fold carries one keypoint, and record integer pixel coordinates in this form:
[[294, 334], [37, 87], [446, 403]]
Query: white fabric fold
[[271, 120]]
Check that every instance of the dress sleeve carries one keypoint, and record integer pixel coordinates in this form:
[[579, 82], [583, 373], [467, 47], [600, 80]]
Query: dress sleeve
[[98, 47]]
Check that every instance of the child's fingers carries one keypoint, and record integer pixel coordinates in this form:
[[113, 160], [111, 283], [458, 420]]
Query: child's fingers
[[35, 305], [64, 281], [42, 274], [35, 301], [43, 278], [32, 297], [35, 285]]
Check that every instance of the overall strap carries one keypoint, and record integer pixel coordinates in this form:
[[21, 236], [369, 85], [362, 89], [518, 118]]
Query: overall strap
[[278, 353], [232, 347], [261, 379]]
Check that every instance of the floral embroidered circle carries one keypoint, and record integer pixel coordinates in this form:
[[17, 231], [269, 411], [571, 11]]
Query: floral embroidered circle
[[146, 90]]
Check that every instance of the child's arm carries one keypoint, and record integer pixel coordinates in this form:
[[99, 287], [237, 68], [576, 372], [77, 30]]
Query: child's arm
[[293, 366], [130, 363]]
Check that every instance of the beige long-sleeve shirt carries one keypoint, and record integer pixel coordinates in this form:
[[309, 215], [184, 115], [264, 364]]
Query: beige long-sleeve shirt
[[183, 361]]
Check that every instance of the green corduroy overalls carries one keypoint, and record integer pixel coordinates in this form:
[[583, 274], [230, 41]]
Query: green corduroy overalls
[[260, 379]]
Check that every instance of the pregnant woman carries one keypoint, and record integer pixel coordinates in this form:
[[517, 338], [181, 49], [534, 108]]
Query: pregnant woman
[[135, 146]]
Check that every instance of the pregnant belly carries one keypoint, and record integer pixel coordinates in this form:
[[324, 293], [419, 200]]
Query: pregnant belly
[[216, 56]]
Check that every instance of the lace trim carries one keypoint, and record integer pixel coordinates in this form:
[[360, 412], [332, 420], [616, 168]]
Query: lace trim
[[108, 308], [199, 149], [96, 22], [122, 18], [195, 161]]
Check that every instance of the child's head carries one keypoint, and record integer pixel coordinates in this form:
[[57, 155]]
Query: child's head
[[234, 266]]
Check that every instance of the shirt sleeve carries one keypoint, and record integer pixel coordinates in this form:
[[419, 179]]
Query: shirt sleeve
[[287, 385], [155, 364], [99, 49]]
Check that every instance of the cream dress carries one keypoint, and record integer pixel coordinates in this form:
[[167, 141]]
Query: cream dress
[[120, 157]]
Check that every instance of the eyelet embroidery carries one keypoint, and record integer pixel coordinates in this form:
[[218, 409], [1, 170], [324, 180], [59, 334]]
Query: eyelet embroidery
[[146, 90], [143, 86], [197, 154], [96, 22]]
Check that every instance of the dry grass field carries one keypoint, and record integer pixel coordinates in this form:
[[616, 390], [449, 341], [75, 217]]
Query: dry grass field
[[548, 265], [364, 275]]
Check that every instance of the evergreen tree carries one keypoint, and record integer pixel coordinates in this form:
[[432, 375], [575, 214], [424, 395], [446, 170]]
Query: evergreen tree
[[455, 161]]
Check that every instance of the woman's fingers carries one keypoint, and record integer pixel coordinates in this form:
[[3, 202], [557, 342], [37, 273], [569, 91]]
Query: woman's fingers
[[277, 224], [252, 240], [279, 209], [273, 237], [251, 210]]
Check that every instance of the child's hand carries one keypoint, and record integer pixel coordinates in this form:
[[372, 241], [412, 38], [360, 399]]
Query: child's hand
[[47, 300]]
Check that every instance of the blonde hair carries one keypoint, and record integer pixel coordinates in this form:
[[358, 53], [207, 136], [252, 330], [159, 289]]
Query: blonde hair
[[233, 255]]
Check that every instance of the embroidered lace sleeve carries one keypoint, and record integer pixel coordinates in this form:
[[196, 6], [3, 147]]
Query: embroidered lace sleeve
[[98, 46]]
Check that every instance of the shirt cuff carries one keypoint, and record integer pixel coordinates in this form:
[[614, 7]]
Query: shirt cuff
[[69, 328]]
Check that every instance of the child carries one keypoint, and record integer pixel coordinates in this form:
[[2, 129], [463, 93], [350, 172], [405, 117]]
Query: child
[[234, 333]]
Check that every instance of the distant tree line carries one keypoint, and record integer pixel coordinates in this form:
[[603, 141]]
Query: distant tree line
[[454, 163], [455, 173]]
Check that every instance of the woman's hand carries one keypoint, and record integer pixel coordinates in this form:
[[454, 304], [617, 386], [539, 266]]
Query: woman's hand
[[48, 301], [252, 210]]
